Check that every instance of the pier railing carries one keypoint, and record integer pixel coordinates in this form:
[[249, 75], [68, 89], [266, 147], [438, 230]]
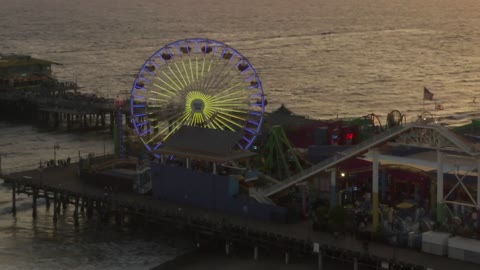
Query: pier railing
[[33, 166]]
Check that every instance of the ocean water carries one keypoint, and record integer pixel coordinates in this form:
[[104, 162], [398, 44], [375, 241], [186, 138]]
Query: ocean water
[[37, 244], [322, 58]]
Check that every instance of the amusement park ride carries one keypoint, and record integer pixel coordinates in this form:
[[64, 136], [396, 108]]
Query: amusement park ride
[[204, 89], [196, 82], [204, 83], [208, 84]]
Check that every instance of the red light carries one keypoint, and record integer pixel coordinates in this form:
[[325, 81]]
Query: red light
[[349, 136]]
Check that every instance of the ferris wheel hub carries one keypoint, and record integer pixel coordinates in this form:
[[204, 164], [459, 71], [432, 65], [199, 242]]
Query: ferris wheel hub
[[197, 102], [197, 105]]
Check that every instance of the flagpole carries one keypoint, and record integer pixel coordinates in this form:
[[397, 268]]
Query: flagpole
[[423, 100]]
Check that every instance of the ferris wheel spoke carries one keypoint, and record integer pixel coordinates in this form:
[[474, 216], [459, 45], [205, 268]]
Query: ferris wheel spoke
[[186, 69], [162, 116], [181, 74], [217, 78], [170, 118], [203, 65], [191, 68], [231, 105], [230, 110], [214, 73], [175, 124], [231, 99], [229, 120], [157, 101], [210, 64], [218, 95], [186, 72], [230, 68], [159, 98], [196, 65], [176, 77], [156, 106], [237, 94], [172, 94], [223, 123], [178, 88], [195, 119], [232, 115], [224, 83], [206, 116], [216, 125]]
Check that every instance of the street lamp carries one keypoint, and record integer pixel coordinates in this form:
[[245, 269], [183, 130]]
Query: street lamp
[[1, 163], [394, 240], [104, 147], [56, 146]]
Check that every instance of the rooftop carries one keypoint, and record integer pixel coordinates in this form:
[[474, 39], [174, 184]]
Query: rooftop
[[204, 144], [14, 60]]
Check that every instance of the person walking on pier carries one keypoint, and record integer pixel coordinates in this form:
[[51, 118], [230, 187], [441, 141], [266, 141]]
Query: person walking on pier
[[365, 245]]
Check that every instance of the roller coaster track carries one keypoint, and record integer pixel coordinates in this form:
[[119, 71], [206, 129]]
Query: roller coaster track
[[362, 148]]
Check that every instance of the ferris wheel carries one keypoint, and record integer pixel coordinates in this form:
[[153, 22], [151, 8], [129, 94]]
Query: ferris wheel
[[196, 82]]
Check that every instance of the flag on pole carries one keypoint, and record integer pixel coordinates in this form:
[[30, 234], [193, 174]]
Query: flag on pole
[[427, 95]]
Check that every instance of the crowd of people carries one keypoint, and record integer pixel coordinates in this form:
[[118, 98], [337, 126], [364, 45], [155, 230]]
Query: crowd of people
[[55, 163]]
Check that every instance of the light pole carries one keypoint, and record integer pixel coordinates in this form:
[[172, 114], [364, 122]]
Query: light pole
[[394, 255], [0, 163], [104, 142], [56, 146]]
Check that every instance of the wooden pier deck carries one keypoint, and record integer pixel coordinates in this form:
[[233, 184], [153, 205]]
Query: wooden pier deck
[[63, 186], [61, 104]]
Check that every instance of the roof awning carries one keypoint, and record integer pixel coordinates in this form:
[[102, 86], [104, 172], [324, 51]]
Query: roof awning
[[207, 156], [205, 144]]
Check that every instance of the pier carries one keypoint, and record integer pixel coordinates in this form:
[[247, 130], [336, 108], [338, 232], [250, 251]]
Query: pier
[[29, 91], [61, 105], [62, 187]]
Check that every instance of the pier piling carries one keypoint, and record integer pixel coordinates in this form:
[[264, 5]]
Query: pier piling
[[82, 206], [134, 209], [59, 204], [14, 207], [227, 248], [55, 202], [75, 212], [64, 202], [89, 209], [47, 200], [34, 203]]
